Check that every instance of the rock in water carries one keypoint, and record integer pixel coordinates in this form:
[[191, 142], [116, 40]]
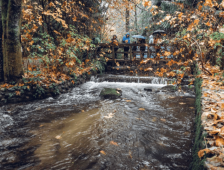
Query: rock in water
[[110, 93], [147, 89], [169, 88]]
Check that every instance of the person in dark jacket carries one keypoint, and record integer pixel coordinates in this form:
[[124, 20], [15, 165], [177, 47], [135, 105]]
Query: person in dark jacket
[[142, 48], [134, 49], [126, 40], [115, 43]]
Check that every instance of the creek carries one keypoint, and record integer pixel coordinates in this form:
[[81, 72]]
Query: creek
[[142, 130]]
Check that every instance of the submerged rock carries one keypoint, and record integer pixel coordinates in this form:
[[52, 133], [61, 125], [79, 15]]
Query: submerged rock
[[148, 89], [110, 93], [168, 88]]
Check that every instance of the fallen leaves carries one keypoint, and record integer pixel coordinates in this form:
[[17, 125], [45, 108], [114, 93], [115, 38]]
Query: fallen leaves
[[154, 119], [182, 103], [113, 143], [219, 141], [58, 137], [128, 101], [141, 109], [130, 154], [17, 93], [202, 152], [163, 120], [103, 152]]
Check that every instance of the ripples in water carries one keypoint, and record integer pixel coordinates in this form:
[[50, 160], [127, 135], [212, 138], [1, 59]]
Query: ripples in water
[[79, 131]]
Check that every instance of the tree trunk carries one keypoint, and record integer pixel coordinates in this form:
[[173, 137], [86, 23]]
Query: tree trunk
[[12, 55], [127, 16], [1, 53], [136, 19]]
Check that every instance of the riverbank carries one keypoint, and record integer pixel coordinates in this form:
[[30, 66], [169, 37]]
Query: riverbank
[[209, 137], [35, 88]]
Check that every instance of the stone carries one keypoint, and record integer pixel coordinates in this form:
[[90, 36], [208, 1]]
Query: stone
[[148, 89], [15, 99], [110, 93], [169, 88]]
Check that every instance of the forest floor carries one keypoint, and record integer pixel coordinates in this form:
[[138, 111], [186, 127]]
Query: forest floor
[[213, 118]]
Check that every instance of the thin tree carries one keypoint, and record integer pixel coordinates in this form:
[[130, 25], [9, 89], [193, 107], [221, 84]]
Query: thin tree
[[127, 16], [1, 53], [11, 25]]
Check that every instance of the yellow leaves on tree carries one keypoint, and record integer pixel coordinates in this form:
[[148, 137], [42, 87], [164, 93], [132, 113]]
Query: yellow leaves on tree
[[147, 3]]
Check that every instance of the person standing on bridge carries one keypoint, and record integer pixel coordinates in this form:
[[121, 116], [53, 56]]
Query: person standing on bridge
[[126, 40], [142, 48], [115, 43]]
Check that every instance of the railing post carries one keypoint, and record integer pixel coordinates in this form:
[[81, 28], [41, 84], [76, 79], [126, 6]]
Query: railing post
[[141, 54], [113, 53], [148, 53], [130, 53]]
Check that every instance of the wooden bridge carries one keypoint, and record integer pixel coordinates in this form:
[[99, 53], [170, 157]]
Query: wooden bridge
[[132, 62]]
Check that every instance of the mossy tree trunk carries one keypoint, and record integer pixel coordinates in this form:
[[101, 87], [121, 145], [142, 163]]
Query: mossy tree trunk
[[1, 53], [11, 24]]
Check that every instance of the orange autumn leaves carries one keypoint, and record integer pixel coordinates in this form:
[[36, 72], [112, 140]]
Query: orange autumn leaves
[[213, 115], [111, 143]]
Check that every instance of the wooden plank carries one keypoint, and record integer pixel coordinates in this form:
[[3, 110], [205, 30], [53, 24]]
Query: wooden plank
[[113, 54], [107, 45]]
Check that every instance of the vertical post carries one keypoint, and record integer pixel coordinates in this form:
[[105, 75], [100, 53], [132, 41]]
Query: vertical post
[[141, 54], [95, 52], [148, 54], [113, 53], [1, 45], [130, 54]]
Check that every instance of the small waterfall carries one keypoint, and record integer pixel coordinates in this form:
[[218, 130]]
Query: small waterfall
[[93, 78], [130, 79], [163, 81], [157, 80]]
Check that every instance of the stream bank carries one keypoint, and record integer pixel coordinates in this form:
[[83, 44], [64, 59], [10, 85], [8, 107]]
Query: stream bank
[[24, 92], [208, 145]]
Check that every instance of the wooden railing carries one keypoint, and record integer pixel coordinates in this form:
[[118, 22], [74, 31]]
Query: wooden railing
[[130, 51]]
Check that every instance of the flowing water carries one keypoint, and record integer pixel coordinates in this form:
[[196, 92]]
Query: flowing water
[[145, 130]]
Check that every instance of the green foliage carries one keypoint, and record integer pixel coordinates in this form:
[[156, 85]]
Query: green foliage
[[39, 91], [197, 163], [217, 36], [168, 7], [165, 25]]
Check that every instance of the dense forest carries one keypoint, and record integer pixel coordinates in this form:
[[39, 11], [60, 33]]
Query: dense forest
[[46, 42]]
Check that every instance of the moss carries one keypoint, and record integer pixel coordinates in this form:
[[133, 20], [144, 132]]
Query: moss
[[197, 163], [110, 93], [107, 91]]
